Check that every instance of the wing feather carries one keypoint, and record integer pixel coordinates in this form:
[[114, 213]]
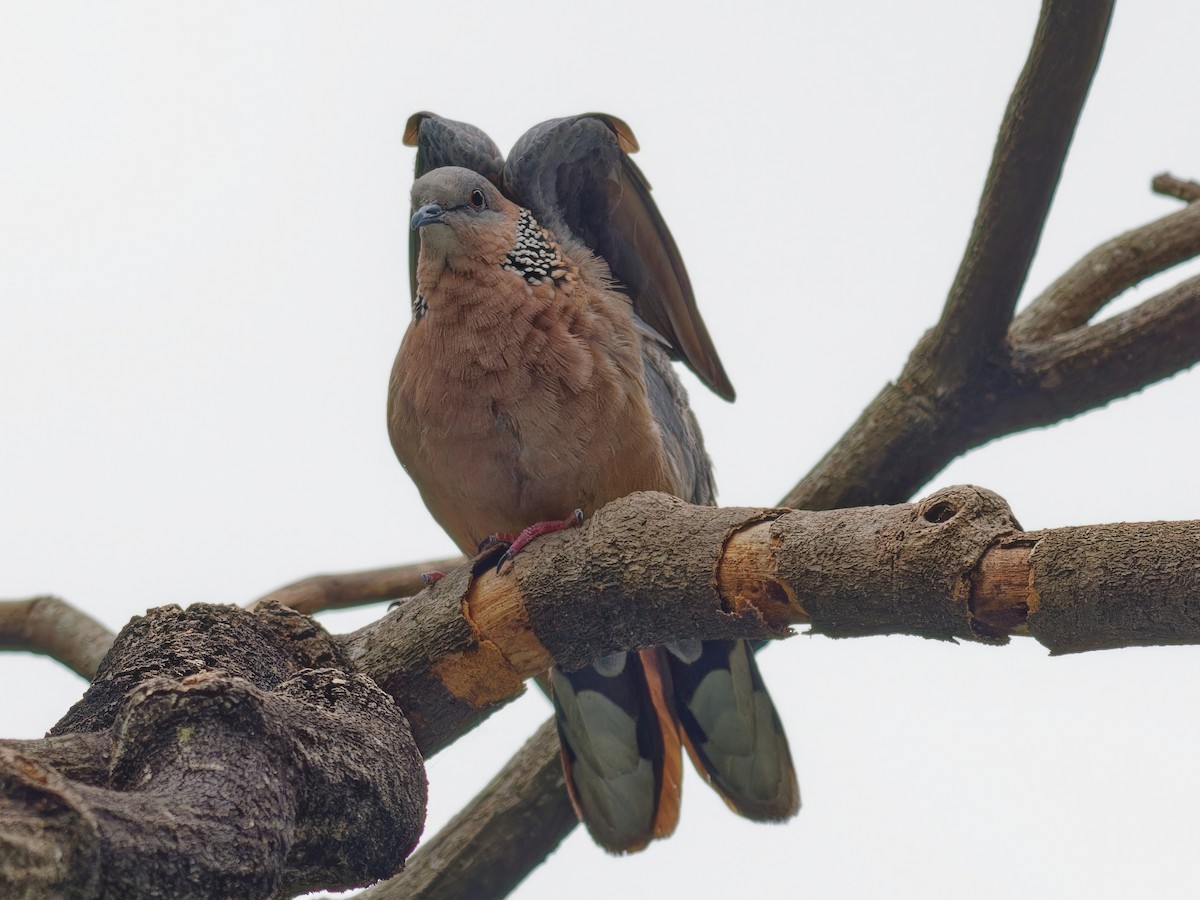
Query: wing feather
[[576, 176]]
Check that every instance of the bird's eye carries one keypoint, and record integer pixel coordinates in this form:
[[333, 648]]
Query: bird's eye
[[477, 201]]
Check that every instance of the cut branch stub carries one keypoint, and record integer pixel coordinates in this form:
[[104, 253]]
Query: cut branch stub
[[272, 780]]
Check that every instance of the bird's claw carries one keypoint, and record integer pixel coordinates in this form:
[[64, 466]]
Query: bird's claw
[[534, 531]]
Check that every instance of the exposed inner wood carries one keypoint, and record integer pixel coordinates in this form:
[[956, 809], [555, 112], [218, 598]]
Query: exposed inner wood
[[1001, 587], [745, 578], [496, 610]]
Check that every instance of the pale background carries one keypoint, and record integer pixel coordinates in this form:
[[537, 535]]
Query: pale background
[[203, 229]]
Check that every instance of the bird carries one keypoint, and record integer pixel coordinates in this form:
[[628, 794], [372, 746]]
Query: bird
[[534, 383]]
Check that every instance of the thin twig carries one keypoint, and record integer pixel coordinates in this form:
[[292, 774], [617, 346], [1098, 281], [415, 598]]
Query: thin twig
[[1170, 186], [318, 592]]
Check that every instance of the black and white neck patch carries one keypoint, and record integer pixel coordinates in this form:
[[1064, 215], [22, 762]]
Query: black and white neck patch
[[535, 257]]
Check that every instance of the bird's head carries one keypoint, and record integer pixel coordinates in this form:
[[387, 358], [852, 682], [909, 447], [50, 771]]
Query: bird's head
[[461, 217]]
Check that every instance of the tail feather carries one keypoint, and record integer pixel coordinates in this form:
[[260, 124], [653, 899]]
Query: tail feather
[[620, 750], [730, 728]]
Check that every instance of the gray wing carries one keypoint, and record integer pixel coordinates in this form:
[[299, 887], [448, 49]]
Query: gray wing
[[444, 142], [680, 430], [576, 176]]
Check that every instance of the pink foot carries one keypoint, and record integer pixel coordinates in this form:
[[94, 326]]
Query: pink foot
[[537, 529], [432, 577], [512, 546]]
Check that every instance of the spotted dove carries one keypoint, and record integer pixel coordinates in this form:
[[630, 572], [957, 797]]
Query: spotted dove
[[535, 378]]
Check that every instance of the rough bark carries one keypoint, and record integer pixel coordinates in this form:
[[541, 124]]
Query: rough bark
[[1115, 586], [954, 566], [219, 753]]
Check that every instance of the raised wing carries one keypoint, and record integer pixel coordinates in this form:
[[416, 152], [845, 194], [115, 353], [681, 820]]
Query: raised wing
[[444, 142], [576, 176]]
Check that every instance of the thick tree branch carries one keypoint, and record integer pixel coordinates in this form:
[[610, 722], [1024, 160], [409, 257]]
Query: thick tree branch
[[917, 425], [1026, 165], [465, 646], [1001, 589], [57, 629], [181, 693], [218, 753], [186, 694]]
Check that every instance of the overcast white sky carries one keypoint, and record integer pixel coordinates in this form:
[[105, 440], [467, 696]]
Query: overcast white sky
[[203, 229]]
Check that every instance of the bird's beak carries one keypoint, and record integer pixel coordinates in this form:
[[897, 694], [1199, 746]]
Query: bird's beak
[[427, 215]]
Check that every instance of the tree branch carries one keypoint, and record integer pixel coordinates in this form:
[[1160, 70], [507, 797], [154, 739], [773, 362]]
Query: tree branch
[[1091, 366], [218, 753], [55, 628], [916, 426], [345, 589], [145, 783], [849, 572], [1105, 272], [1026, 165], [1170, 186], [474, 854], [465, 646]]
